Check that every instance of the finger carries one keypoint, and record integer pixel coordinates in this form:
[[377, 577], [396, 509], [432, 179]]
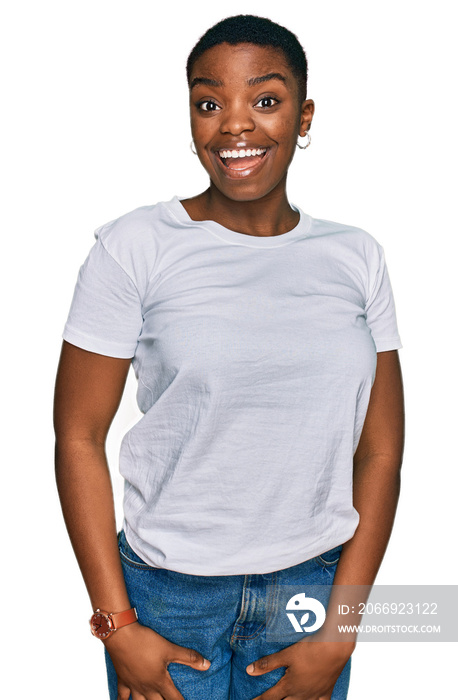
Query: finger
[[137, 696], [123, 691], [277, 692], [147, 696], [266, 664], [170, 691], [167, 691], [189, 657]]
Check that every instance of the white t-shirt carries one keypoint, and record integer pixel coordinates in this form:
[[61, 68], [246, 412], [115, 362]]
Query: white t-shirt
[[255, 358]]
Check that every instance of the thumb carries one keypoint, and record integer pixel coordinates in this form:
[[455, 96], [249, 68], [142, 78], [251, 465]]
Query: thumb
[[265, 664], [188, 657]]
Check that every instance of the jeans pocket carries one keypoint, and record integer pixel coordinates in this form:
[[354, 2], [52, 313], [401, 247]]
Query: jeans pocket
[[128, 556], [331, 557]]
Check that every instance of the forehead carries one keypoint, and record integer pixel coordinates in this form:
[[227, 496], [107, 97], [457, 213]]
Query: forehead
[[226, 62]]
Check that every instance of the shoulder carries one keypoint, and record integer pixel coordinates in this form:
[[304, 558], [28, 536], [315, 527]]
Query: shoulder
[[133, 239], [348, 239], [135, 227], [354, 235]]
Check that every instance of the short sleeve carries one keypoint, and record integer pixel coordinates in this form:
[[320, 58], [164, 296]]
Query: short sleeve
[[381, 310], [106, 313]]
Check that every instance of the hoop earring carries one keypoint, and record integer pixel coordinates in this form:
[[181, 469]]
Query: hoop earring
[[191, 147], [309, 141]]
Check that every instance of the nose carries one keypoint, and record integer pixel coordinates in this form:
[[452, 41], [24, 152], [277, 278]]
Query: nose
[[237, 118]]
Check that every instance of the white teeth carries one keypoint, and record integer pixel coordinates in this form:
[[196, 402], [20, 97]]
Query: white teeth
[[244, 152]]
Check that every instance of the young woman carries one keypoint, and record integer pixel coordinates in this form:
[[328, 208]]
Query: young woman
[[265, 346]]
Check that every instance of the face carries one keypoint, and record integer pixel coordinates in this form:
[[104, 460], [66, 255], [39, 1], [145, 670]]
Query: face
[[246, 116]]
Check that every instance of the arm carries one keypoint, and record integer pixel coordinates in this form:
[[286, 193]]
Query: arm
[[87, 395], [313, 668], [376, 476]]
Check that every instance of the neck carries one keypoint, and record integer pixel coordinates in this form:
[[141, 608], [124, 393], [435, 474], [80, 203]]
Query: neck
[[269, 216]]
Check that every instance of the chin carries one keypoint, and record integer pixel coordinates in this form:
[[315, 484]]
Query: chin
[[243, 193]]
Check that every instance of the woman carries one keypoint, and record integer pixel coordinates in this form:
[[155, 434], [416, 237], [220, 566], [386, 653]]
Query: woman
[[265, 345]]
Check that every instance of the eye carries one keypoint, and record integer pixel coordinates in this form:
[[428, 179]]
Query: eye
[[267, 102], [208, 106]]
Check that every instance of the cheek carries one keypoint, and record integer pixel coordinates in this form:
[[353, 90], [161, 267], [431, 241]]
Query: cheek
[[203, 127], [289, 133], [287, 139], [196, 128], [284, 129]]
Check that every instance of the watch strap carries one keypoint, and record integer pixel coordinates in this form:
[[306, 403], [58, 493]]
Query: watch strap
[[124, 618]]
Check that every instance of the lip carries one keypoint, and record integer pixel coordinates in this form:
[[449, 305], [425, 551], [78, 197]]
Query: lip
[[241, 172]]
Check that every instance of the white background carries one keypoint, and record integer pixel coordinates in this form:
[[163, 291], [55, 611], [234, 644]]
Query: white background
[[95, 123]]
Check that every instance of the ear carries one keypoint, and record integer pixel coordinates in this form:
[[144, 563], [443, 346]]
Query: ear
[[307, 112]]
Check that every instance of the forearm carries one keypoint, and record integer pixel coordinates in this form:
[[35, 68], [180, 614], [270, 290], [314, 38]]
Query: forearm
[[376, 486], [376, 489], [86, 496], [140, 655]]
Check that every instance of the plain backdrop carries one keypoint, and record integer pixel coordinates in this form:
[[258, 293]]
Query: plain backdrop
[[94, 124]]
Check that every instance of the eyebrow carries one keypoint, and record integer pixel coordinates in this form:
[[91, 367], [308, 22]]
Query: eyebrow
[[206, 81], [250, 82], [265, 78]]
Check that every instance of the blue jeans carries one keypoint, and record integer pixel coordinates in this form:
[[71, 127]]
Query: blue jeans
[[222, 617]]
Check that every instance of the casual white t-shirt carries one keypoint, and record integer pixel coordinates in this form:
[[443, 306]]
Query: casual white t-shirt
[[255, 358]]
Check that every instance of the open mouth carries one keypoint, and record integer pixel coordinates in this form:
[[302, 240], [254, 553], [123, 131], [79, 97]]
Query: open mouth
[[241, 159]]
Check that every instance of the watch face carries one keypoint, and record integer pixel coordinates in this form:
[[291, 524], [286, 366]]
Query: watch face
[[100, 625]]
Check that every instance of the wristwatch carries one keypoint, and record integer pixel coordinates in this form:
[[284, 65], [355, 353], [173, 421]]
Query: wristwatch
[[103, 624]]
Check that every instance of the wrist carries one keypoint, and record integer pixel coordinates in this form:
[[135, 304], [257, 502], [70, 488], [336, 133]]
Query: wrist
[[340, 650], [338, 632], [342, 639], [122, 638], [104, 624]]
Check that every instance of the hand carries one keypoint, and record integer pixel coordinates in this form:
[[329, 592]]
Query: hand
[[312, 669], [141, 656]]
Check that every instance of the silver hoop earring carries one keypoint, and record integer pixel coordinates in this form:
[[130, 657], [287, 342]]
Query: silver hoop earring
[[309, 141], [191, 147]]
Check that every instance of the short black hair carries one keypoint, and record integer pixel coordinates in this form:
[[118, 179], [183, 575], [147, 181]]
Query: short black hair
[[261, 31]]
